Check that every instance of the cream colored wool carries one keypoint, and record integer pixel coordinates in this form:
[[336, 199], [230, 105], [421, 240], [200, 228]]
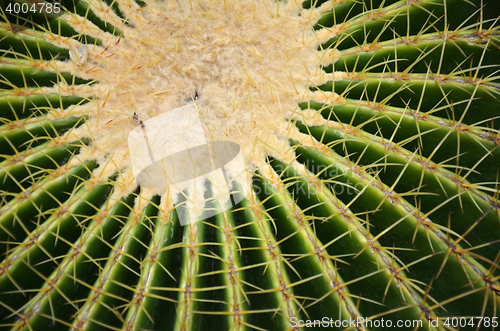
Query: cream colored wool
[[250, 62]]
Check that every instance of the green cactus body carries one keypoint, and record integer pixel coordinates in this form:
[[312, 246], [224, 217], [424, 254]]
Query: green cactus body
[[370, 136]]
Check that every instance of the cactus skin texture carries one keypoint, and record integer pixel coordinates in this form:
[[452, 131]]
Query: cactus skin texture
[[378, 200]]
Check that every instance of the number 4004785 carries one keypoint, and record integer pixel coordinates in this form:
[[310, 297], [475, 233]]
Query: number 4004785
[[486, 322], [27, 8]]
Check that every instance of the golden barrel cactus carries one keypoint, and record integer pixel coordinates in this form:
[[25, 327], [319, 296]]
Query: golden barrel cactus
[[369, 131]]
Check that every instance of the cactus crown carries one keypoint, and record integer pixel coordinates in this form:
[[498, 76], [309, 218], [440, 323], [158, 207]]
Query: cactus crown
[[370, 135]]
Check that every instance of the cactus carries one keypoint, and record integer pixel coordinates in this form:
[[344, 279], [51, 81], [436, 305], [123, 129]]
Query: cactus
[[370, 135]]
